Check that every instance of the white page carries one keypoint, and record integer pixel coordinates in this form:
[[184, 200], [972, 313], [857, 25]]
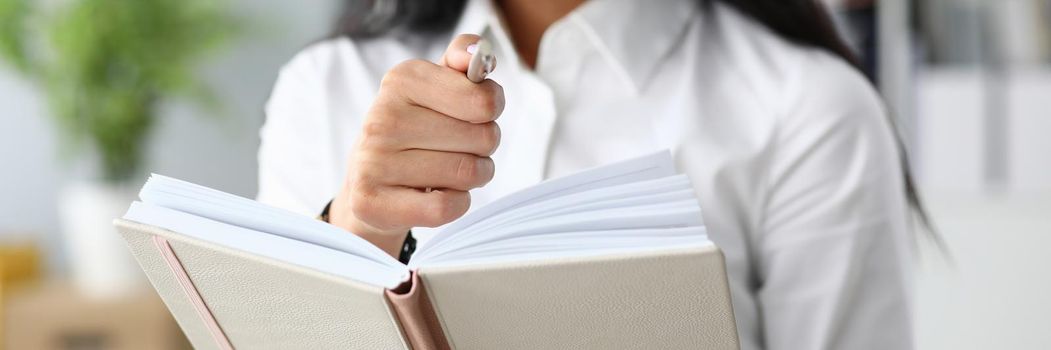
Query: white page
[[556, 241], [292, 251], [635, 204], [653, 166], [540, 248], [657, 191], [573, 252], [227, 208], [674, 214]]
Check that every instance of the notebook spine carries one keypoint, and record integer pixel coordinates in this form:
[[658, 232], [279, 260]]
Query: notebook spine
[[415, 313]]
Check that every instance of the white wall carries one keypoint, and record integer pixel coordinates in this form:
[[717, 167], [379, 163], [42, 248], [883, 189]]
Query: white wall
[[993, 294], [217, 150], [28, 170]]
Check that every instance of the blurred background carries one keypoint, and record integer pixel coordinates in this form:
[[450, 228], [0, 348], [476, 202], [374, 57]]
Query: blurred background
[[969, 82]]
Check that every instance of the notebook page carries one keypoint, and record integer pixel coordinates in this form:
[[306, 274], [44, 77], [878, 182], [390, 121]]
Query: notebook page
[[664, 215], [577, 249], [506, 225], [559, 242], [292, 251], [238, 211], [633, 194], [653, 166]]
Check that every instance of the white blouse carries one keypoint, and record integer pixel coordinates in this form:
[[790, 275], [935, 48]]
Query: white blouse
[[788, 148]]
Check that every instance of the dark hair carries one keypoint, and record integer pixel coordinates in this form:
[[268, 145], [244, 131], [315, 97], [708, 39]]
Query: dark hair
[[804, 22], [371, 18]]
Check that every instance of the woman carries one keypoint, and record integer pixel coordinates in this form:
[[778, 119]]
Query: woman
[[786, 143]]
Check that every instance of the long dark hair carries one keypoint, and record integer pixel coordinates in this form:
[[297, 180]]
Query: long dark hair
[[805, 22]]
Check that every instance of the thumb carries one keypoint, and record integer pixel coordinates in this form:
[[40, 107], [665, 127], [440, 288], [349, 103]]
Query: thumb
[[460, 51]]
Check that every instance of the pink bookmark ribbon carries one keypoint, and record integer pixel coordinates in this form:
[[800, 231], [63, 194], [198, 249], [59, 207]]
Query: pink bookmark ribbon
[[191, 292]]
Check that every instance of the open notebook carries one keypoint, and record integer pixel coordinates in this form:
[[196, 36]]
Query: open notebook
[[615, 256]]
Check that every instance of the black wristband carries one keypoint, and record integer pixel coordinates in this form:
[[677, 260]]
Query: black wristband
[[324, 212], [407, 248]]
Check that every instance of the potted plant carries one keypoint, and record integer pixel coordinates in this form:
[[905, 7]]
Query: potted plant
[[103, 66]]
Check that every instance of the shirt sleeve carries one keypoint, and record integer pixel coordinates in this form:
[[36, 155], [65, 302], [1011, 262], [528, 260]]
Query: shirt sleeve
[[296, 156], [832, 243]]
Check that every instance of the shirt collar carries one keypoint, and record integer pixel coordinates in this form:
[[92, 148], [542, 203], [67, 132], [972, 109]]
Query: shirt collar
[[633, 36]]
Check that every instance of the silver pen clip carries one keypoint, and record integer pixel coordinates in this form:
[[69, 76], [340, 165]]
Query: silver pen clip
[[482, 62]]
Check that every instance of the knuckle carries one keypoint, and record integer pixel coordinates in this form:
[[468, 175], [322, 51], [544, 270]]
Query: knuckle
[[367, 168], [490, 138], [496, 99], [392, 78], [484, 101], [401, 73], [436, 214], [379, 128], [446, 207], [487, 172], [467, 169], [374, 127], [372, 135], [474, 171]]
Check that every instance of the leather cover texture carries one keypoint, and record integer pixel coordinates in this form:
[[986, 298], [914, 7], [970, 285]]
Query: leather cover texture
[[648, 300], [261, 303]]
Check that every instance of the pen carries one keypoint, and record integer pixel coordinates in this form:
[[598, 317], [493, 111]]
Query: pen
[[482, 61]]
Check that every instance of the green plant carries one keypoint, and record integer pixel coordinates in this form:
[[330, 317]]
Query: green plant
[[105, 64]]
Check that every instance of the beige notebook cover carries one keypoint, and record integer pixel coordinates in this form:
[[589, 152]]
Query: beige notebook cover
[[262, 303], [656, 300], [646, 300]]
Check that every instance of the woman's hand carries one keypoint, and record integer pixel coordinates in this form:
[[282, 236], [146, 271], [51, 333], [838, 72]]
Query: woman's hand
[[425, 142]]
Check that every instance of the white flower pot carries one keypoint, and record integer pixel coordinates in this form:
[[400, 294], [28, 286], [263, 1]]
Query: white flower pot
[[100, 263]]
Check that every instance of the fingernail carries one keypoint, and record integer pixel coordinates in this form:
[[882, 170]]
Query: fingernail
[[471, 49]]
